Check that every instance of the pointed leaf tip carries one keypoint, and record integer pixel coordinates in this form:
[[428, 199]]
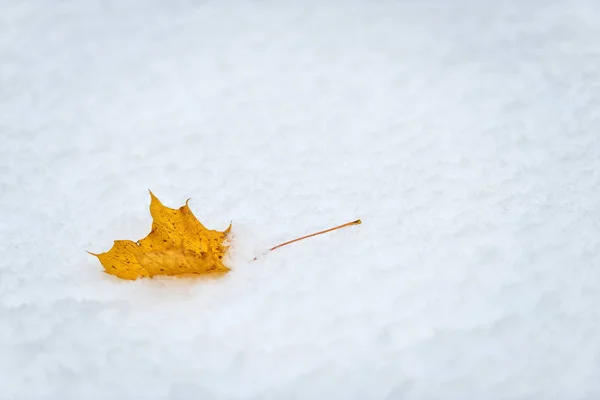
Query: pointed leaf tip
[[154, 199]]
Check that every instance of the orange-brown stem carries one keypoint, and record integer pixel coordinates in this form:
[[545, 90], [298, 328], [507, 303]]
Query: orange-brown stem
[[358, 221]]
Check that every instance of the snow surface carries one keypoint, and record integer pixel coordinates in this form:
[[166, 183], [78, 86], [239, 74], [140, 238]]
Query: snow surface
[[465, 134]]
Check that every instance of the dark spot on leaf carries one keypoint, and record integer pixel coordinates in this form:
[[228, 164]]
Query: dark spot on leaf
[[162, 270]]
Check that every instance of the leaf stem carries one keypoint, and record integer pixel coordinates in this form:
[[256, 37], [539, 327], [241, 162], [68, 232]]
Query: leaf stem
[[357, 222]]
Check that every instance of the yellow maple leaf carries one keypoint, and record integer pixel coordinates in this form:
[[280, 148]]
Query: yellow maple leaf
[[177, 245]]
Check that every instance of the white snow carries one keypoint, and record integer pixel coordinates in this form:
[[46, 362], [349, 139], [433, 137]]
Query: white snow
[[465, 134]]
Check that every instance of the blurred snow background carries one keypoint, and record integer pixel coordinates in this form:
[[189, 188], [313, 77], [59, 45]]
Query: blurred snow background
[[464, 133]]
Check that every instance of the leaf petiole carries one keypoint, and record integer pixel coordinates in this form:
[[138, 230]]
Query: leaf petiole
[[357, 222]]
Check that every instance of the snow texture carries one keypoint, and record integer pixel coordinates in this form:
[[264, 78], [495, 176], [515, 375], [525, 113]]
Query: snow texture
[[465, 134]]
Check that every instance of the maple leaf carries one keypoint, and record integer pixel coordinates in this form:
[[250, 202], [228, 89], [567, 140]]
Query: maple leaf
[[177, 245]]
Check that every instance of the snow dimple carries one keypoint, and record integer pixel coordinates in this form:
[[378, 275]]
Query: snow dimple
[[465, 138]]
